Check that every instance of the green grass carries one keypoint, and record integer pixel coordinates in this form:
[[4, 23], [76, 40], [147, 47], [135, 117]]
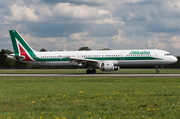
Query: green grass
[[82, 71], [89, 97]]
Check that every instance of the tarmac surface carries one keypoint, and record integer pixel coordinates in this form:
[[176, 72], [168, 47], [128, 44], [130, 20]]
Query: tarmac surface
[[93, 75]]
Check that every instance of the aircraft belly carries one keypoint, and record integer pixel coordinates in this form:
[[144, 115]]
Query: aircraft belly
[[52, 63], [60, 63], [139, 62]]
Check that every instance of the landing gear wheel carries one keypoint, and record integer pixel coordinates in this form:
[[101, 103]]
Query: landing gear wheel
[[93, 71], [157, 71], [88, 71]]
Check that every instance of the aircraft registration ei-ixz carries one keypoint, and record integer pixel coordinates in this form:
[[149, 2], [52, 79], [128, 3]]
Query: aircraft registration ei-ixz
[[105, 60]]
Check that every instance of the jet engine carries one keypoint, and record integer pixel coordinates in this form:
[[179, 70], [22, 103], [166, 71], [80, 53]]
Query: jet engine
[[108, 66]]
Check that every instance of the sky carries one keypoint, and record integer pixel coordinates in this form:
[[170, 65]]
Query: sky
[[71, 24]]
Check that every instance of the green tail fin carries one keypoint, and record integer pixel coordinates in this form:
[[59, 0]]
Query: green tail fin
[[21, 47]]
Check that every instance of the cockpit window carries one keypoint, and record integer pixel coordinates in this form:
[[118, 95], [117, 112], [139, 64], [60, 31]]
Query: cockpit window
[[167, 54]]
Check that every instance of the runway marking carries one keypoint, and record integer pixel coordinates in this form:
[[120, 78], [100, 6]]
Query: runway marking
[[93, 75]]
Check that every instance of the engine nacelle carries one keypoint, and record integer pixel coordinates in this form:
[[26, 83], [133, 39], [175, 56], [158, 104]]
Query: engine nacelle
[[108, 66]]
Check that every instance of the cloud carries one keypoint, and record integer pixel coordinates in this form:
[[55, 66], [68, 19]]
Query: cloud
[[156, 43], [120, 40], [87, 13], [79, 36], [153, 15], [125, 1], [84, 39], [19, 13], [162, 26], [78, 2], [170, 8], [61, 43], [62, 12], [92, 2], [71, 24], [79, 12], [175, 42], [54, 43], [111, 21], [54, 29]]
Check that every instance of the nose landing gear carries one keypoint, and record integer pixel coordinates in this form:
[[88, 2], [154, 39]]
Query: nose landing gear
[[157, 71]]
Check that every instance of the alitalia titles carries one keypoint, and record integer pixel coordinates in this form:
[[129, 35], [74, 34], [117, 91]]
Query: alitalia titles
[[139, 53]]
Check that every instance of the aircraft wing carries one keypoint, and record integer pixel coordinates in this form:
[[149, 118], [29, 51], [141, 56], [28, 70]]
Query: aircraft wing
[[84, 61]]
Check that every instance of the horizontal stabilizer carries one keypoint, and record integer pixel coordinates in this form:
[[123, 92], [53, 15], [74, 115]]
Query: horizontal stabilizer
[[12, 56]]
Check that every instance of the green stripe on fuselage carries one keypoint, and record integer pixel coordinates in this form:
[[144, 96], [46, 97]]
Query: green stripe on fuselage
[[52, 59], [141, 58], [125, 58], [101, 58]]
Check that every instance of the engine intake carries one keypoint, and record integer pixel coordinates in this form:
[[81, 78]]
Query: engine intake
[[108, 66]]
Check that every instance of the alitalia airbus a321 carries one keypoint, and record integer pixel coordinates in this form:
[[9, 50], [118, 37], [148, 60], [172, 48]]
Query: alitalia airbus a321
[[106, 60]]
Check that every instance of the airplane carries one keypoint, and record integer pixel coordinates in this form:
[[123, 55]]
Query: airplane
[[105, 60]]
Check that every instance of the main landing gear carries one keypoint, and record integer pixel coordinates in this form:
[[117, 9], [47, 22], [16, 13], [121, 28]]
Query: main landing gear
[[88, 71], [157, 71]]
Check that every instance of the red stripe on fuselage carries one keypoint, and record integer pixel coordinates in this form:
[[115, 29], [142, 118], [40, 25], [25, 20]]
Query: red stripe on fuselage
[[23, 52]]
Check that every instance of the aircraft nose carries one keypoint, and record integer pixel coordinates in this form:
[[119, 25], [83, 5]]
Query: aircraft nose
[[174, 59]]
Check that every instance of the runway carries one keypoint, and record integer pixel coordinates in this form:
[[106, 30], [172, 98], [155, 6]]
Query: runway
[[92, 75]]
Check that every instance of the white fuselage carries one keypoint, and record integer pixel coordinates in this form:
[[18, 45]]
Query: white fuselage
[[117, 57]]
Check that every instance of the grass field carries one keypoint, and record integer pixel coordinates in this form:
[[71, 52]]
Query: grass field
[[89, 97], [59, 71]]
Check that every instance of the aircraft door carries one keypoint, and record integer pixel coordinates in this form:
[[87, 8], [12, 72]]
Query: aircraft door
[[121, 58]]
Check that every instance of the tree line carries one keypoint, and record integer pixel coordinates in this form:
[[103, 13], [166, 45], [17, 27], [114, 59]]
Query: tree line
[[6, 63]]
